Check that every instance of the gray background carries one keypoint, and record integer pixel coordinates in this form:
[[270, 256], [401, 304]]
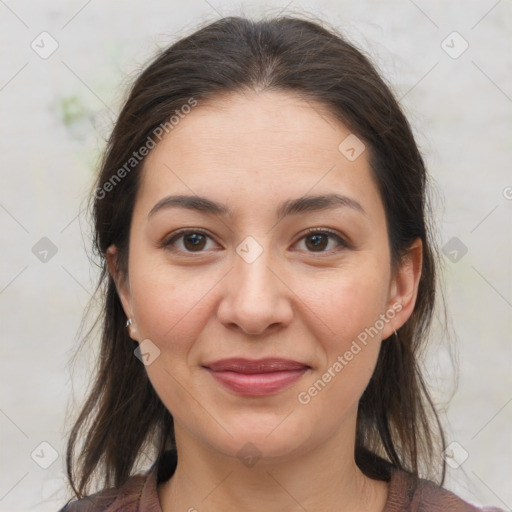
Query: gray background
[[56, 111]]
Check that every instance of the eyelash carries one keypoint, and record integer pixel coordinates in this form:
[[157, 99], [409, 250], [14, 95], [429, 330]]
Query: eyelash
[[168, 243]]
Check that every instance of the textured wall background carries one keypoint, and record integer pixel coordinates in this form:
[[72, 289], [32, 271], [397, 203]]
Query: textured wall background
[[61, 75]]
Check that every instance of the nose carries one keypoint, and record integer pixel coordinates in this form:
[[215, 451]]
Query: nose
[[255, 297]]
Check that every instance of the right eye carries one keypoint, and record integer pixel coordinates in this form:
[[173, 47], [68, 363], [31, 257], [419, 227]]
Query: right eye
[[189, 240]]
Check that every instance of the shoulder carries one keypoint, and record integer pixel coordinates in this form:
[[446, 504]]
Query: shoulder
[[138, 494], [125, 498], [409, 493]]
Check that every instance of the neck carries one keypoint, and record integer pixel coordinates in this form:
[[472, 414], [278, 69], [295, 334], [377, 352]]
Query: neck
[[323, 478]]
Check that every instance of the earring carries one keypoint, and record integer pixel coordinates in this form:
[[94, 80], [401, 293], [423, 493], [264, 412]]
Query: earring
[[396, 334], [128, 322]]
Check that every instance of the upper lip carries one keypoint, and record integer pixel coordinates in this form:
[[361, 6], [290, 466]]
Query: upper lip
[[242, 365]]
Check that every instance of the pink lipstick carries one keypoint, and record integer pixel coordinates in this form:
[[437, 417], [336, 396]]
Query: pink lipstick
[[256, 377]]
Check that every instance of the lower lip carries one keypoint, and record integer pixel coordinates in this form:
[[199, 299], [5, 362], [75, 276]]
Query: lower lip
[[258, 384]]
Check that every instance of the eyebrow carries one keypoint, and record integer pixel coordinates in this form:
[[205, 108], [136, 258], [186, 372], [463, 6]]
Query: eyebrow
[[290, 207]]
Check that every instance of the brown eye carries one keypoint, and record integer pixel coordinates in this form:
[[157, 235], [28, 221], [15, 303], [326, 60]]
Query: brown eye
[[317, 242], [194, 241], [188, 241], [320, 241]]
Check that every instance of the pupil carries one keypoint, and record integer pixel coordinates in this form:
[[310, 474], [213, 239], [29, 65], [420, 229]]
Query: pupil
[[194, 240], [318, 241]]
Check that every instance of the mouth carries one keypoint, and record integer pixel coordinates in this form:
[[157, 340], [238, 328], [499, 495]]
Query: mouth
[[256, 377]]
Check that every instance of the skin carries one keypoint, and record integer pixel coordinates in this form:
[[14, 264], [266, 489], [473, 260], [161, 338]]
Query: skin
[[251, 152]]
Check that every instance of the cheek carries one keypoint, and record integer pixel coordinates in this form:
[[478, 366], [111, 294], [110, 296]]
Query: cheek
[[348, 303], [171, 310], [170, 305], [350, 308]]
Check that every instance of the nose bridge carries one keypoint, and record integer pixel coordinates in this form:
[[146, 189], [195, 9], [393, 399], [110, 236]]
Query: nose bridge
[[252, 265], [255, 297]]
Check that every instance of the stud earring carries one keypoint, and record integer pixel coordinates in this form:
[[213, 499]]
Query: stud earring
[[128, 322]]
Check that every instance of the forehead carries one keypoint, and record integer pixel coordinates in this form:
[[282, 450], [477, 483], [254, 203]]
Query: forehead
[[256, 125], [265, 145]]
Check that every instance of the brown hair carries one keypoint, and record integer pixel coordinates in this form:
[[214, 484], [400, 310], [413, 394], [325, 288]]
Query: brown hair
[[396, 418]]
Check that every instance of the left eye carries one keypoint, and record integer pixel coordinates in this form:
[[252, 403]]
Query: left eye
[[197, 241], [318, 241]]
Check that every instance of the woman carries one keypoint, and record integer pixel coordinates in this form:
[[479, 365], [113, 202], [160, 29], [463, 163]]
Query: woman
[[269, 277]]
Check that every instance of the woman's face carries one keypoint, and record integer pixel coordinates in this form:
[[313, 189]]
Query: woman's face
[[249, 281]]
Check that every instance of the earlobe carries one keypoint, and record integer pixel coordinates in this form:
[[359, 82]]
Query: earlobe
[[404, 288], [132, 330]]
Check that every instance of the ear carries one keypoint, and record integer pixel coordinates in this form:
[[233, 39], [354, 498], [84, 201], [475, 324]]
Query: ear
[[404, 288], [122, 286]]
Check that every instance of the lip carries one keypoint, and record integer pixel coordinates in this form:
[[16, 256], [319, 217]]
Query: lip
[[256, 377], [242, 365]]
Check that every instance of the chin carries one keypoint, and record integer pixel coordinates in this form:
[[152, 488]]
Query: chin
[[267, 445]]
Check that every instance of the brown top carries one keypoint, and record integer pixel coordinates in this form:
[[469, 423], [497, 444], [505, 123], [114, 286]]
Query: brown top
[[139, 494]]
